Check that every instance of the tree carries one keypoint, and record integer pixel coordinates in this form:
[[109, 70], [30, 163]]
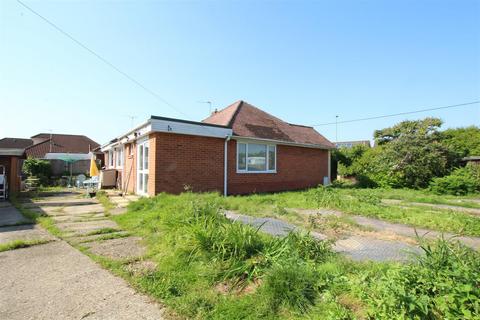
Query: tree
[[38, 168], [463, 141], [409, 154]]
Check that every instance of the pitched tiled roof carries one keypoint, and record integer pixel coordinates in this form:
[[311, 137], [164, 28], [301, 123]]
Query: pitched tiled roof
[[249, 121], [15, 143], [60, 143]]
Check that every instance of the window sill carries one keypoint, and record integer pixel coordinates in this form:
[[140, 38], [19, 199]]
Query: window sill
[[250, 172]]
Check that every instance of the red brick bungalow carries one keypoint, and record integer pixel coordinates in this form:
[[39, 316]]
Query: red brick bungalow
[[240, 149]]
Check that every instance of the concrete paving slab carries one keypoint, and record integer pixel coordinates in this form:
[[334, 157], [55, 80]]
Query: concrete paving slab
[[9, 215], [24, 232], [119, 249], [86, 227], [55, 281], [361, 248], [90, 208]]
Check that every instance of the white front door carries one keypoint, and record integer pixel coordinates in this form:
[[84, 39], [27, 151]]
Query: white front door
[[142, 167]]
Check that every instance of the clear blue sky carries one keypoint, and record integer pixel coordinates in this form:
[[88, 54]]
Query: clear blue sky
[[304, 62]]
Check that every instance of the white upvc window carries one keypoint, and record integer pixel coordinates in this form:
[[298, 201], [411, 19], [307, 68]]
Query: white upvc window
[[119, 157], [256, 158], [110, 158]]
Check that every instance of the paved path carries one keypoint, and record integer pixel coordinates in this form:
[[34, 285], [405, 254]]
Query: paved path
[[474, 211], [55, 280], [358, 248]]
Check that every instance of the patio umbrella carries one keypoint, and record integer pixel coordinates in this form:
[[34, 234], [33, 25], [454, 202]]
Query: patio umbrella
[[93, 167], [69, 158]]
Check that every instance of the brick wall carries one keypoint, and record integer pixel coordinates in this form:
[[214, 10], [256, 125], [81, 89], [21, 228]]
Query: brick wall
[[178, 160], [297, 168], [185, 160]]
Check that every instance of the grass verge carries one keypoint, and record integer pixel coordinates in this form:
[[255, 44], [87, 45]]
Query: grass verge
[[17, 244]]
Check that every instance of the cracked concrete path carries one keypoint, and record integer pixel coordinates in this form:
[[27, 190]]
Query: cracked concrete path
[[357, 247], [55, 280]]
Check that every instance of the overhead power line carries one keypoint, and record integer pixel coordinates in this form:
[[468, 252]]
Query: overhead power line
[[397, 114], [111, 65]]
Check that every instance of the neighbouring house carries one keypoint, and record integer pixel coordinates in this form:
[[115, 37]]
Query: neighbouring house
[[45, 146], [238, 150], [351, 144], [55, 147], [12, 153]]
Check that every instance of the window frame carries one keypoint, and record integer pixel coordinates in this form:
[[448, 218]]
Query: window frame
[[111, 161], [267, 157], [119, 157]]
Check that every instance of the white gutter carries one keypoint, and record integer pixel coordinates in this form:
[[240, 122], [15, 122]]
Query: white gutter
[[225, 166], [286, 143], [11, 152]]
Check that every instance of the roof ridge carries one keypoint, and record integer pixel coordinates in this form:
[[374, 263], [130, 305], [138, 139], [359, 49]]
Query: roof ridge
[[298, 125], [237, 110]]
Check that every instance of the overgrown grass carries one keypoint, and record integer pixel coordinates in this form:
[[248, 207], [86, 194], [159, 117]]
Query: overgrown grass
[[17, 244], [365, 202], [211, 268], [105, 201], [102, 231]]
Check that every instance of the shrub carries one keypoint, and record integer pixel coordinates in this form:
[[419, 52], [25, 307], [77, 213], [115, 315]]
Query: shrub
[[291, 285], [41, 169], [460, 182], [443, 283]]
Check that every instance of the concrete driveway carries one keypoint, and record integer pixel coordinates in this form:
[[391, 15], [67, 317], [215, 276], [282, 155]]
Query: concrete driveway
[[56, 281]]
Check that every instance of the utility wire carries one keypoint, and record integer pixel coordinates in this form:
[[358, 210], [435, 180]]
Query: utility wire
[[111, 65], [397, 114]]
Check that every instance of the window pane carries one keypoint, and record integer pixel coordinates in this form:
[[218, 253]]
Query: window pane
[[271, 157], [242, 156], [257, 157], [145, 182], [140, 158], [146, 158], [140, 181]]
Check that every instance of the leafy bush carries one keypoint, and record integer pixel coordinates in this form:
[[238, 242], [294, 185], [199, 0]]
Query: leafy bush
[[444, 283], [292, 285], [41, 169], [460, 182]]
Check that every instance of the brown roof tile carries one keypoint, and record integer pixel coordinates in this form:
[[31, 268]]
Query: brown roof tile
[[249, 121], [15, 143], [60, 143]]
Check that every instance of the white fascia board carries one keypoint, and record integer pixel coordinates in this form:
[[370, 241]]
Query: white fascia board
[[131, 135], [179, 127], [272, 141], [11, 152]]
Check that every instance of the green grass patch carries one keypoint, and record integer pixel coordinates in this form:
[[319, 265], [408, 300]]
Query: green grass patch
[[17, 244], [102, 231], [365, 202], [105, 201], [211, 268]]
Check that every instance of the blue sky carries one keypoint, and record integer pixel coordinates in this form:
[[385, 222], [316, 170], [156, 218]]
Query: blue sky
[[304, 62]]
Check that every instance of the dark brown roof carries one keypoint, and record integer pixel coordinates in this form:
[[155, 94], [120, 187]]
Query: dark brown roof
[[60, 143], [249, 121], [15, 143]]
